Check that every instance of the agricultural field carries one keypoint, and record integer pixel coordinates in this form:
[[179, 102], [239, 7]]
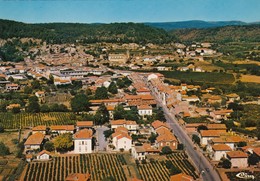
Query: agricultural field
[[25, 120], [250, 78], [207, 77], [157, 171], [10, 168], [99, 166]]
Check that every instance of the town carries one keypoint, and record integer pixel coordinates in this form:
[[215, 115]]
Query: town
[[68, 114]]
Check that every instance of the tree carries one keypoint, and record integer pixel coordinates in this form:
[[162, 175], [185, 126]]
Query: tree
[[101, 93], [202, 127], [4, 150], [63, 142], [36, 84], [49, 146], [226, 164], [2, 129], [16, 110], [102, 115], [241, 144], [79, 103], [113, 88], [160, 115], [45, 108], [119, 112], [33, 106], [28, 90], [108, 133], [11, 79], [153, 137], [253, 159], [196, 139], [180, 146], [166, 150]]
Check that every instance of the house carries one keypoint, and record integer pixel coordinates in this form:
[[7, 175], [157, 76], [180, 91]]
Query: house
[[121, 139], [44, 155], [117, 59], [61, 129], [167, 139], [41, 96], [207, 135], [138, 152], [12, 106], [238, 159], [149, 149], [216, 127], [83, 141], [111, 110], [233, 97], [131, 126], [145, 110], [10, 87], [29, 157], [78, 177], [159, 124], [181, 177], [221, 114], [34, 141], [230, 140], [193, 127], [39, 129], [84, 124], [219, 151]]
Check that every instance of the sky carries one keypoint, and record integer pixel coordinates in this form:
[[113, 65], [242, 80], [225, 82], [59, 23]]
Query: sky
[[107, 11]]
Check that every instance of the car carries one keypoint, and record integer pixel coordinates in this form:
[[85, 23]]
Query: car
[[207, 169]]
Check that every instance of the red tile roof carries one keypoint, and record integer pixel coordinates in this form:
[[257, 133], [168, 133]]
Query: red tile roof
[[39, 128], [237, 154], [221, 147], [83, 134], [78, 177], [181, 177], [85, 123], [35, 139], [63, 127]]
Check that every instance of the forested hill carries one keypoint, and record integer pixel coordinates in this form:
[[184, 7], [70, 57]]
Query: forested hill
[[247, 33], [86, 33]]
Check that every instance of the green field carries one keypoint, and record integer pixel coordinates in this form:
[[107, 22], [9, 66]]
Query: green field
[[207, 77], [25, 120]]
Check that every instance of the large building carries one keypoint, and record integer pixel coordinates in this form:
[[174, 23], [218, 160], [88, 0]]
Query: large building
[[83, 141], [117, 59]]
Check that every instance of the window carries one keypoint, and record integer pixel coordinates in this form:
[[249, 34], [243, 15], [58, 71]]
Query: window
[[86, 148], [82, 142]]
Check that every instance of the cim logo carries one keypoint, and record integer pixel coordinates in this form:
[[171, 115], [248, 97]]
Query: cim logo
[[244, 175]]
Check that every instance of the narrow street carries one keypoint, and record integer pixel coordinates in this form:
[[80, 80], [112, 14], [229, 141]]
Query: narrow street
[[101, 140]]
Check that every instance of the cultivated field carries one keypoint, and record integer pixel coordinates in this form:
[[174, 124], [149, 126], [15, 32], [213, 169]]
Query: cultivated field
[[157, 171], [25, 120], [99, 166], [207, 77], [250, 78]]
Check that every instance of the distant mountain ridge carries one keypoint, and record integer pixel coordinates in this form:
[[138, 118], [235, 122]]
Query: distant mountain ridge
[[199, 24]]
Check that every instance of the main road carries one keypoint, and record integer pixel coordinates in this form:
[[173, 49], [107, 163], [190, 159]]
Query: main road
[[206, 170]]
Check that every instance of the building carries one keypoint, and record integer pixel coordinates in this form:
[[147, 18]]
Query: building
[[238, 159], [39, 129], [44, 155], [131, 126], [11, 87], [83, 141], [78, 177], [145, 110], [41, 96], [206, 135], [61, 129], [167, 139], [121, 139], [117, 59], [219, 151], [34, 141], [138, 152], [84, 124], [181, 177]]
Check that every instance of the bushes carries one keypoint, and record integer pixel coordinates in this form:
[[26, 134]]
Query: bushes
[[4, 150]]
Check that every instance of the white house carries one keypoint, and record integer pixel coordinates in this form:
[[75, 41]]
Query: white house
[[145, 110], [44, 155], [138, 152], [131, 126], [10, 87], [206, 135], [220, 151], [121, 140], [238, 159], [83, 141], [61, 129]]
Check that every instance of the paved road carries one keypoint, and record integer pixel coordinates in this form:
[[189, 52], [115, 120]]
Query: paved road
[[102, 144], [201, 163]]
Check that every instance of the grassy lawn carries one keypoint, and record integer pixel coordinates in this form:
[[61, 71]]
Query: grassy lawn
[[7, 138]]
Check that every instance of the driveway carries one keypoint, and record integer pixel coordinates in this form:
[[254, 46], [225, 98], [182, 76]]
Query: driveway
[[102, 144]]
